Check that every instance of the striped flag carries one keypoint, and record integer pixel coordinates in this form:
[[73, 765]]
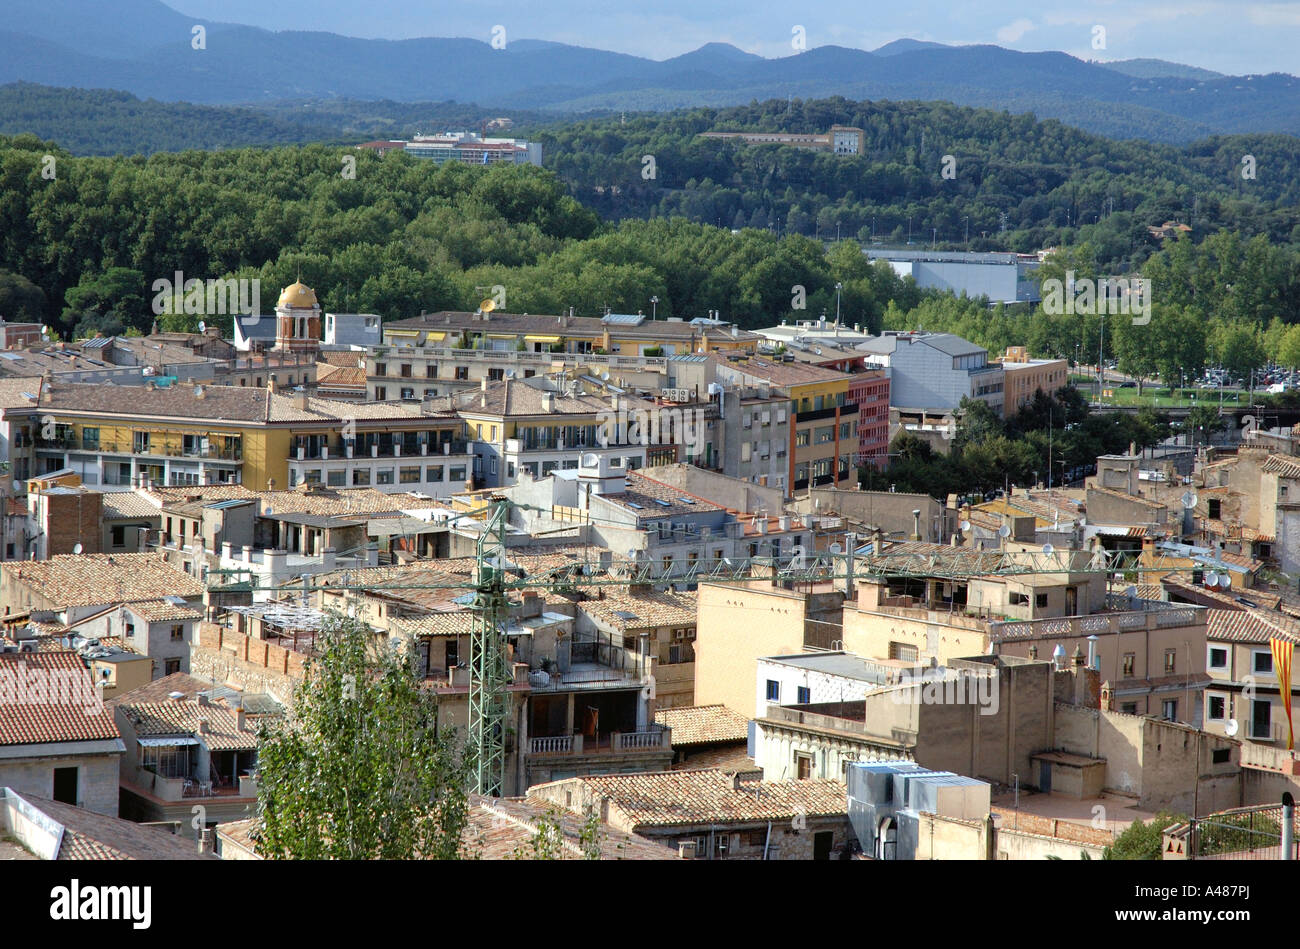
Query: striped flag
[[1282, 649]]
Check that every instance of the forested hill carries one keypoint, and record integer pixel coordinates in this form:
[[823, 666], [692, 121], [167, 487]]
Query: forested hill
[[1054, 184]]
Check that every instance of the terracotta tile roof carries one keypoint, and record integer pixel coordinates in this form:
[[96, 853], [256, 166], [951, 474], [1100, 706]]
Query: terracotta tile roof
[[779, 373], [728, 757], [334, 357], [88, 579], [436, 624], [47, 717], [511, 397], [1112, 493], [160, 690], [182, 718], [212, 403], [14, 393], [673, 798], [1283, 465], [158, 611], [573, 326], [350, 376], [647, 610], [505, 828], [328, 502], [1250, 626], [124, 504], [703, 724], [647, 493], [91, 836]]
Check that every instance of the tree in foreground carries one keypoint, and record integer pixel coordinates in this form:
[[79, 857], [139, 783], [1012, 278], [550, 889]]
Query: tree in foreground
[[1141, 841], [357, 769]]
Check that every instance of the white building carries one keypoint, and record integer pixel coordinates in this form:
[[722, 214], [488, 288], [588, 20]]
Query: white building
[[936, 370]]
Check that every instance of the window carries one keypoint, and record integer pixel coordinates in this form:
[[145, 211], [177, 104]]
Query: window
[[773, 690], [336, 478], [1262, 662], [1169, 710], [410, 475], [1129, 708], [119, 535], [171, 666], [458, 473], [90, 439], [1213, 507], [1171, 658], [1217, 709], [141, 443], [802, 437], [381, 369], [803, 766], [178, 633], [1221, 755], [1129, 659], [1040, 599], [361, 477], [431, 371], [381, 393], [406, 370], [408, 393], [433, 474], [902, 652], [384, 476], [130, 630], [803, 694], [1218, 657], [1019, 599]]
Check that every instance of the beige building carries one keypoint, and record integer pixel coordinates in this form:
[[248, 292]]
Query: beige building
[[1244, 699], [1023, 377]]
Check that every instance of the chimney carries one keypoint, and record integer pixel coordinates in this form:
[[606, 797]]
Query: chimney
[[203, 726], [916, 524], [205, 841], [240, 719], [270, 384], [200, 392], [483, 384], [300, 399], [202, 699], [735, 781]]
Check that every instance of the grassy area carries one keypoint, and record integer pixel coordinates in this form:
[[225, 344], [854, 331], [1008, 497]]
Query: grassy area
[[1163, 398]]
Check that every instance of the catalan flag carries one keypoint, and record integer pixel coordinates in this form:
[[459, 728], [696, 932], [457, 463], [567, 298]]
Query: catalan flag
[[1282, 649]]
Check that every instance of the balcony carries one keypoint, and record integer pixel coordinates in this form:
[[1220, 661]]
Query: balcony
[[67, 443], [656, 740], [338, 449]]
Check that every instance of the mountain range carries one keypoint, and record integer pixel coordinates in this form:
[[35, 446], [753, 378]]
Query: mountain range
[[148, 49]]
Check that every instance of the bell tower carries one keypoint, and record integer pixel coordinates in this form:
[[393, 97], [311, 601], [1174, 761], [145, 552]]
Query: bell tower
[[297, 320]]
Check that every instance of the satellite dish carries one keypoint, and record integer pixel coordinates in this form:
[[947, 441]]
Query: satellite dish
[[1083, 522], [836, 549], [590, 460], [964, 526], [487, 306], [1211, 579], [1230, 727], [1189, 499], [266, 512], [1225, 580], [77, 548], [203, 327], [604, 377], [1004, 531], [1048, 549]]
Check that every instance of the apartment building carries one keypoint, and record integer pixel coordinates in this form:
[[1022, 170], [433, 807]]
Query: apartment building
[[615, 334], [1023, 378], [231, 435], [1245, 699], [824, 437], [533, 426], [839, 140], [470, 148], [936, 370]]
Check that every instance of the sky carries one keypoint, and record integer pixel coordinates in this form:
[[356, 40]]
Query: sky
[[1225, 35]]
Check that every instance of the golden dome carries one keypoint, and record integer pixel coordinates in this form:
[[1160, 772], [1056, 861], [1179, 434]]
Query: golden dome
[[298, 295]]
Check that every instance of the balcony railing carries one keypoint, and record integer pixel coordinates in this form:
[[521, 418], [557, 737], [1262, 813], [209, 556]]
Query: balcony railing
[[656, 739], [103, 447], [337, 450]]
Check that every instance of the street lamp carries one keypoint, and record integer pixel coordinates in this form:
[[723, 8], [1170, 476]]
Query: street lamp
[[654, 308], [837, 303]]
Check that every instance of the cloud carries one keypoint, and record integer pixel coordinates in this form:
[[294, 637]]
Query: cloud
[[1014, 31]]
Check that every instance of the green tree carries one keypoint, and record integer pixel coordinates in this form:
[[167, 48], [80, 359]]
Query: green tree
[[1141, 841], [358, 769]]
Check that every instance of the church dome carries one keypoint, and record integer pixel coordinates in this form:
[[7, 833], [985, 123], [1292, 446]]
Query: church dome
[[298, 295]]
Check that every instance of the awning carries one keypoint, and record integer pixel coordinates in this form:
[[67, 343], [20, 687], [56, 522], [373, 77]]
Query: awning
[[435, 336], [410, 333], [502, 335], [173, 741], [542, 339]]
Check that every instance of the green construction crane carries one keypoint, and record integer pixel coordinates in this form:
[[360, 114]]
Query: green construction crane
[[489, 674]]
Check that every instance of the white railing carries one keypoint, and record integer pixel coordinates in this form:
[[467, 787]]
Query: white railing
[[653, 739], [559, 744]]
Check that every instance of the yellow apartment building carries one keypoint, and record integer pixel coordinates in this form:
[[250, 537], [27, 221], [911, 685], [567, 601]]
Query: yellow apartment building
[[197, 434]]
